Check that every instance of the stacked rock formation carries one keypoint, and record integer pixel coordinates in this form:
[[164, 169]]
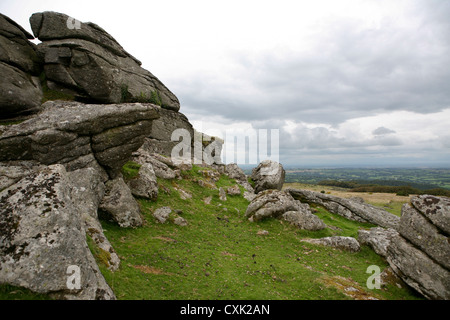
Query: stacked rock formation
[[84, 60], [268, 201], [61, 164]]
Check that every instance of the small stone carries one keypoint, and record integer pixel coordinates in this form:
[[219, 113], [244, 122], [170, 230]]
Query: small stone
[[162, 214]]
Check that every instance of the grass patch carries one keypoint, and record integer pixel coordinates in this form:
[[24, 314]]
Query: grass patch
[[130, 170], [8, 292], [10, 123]]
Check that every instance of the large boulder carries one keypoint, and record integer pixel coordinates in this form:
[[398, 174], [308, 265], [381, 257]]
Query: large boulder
[[145, 185], [348, 208], [268, 175], [20, 66], [84, 60], [281, 205], [87, 192], [419, 253], [418, 230], [43, 241], [418, 270], [270, 204], [120, 205], [80, 135]]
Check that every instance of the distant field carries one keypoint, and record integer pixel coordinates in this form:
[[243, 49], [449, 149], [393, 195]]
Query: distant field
[[388, 201], [421, 178]]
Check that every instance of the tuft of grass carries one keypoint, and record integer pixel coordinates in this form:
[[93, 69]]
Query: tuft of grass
[[130, 170]]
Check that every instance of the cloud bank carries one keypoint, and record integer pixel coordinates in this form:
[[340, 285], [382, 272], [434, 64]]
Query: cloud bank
[[360, 82]]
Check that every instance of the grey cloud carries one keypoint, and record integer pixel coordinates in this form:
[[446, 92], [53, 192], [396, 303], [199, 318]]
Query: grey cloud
[[382, 131], [352, 72], [321, 138]]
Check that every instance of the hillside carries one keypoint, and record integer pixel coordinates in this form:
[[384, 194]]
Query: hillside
[[219, 254]]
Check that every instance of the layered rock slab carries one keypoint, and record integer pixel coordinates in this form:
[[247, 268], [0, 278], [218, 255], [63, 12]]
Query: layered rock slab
[[80, 135], [419, 254], [349, 208]]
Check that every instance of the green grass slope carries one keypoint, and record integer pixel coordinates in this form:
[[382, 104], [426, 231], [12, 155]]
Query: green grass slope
[[221, 255]]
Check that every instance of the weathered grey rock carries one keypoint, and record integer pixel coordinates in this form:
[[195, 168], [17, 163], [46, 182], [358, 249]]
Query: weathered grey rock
[[16, 49], [418, 270], [42, 237], [87, 192], [270, 204], [234, 190], [419, 254], [338, 242], [303, 220], [233, 171], [180, 221], [11, 172], [422, 233], [20, 94], [377, 238], [162, 214], [85, 59], [164, 127], [79, 135], [20, 66], [249, 196], [268, 175], [120, 204], [145, 184], [353, 210], [210, 175], [222, 194], [436, 209], [161, 169]]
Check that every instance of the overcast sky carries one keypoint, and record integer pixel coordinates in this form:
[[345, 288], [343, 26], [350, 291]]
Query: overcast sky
[[357, 83]]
